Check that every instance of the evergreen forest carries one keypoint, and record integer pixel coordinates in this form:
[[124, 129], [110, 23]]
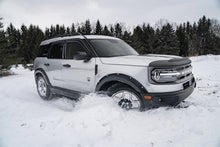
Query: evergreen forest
[[21, 45]]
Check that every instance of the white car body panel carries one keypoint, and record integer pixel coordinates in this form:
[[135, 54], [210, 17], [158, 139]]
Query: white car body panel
[[80, 72], [80, 76]]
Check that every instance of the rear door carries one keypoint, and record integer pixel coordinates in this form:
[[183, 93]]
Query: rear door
[[77, 74]]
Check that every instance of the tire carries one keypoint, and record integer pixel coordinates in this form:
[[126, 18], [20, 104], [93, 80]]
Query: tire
[[43, 88], [125, 96]]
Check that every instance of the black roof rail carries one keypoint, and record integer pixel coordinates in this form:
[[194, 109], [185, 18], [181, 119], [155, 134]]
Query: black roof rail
[[65, 35], [73, 34]]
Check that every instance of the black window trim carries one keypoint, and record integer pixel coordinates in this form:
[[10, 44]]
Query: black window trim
[[85, 44], [40, 50], [53, 43], [75, 41]]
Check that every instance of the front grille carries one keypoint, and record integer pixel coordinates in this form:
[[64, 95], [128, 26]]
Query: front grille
[[176, 74], [186, 71]]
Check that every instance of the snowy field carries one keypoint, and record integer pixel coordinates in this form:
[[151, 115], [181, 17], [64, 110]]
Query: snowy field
[[28, 121]]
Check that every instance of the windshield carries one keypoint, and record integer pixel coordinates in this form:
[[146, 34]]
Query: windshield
[[112, 48]]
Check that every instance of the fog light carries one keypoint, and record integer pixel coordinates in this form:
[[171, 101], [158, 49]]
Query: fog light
[[147, 97]]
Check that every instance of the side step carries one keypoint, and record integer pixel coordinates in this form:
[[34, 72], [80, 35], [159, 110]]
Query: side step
[[65, 92]]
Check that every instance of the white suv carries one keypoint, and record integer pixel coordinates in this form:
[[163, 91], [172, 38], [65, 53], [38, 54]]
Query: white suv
[[78, 64]]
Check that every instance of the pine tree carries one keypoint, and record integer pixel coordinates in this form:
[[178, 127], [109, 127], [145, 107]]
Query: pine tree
[[112, 31], [106, 31], [118, 30], [39, 37], [12, 34], [217, 43], [79, 30], [98, 28], [47, 33], [67, 30], [148, 38], [203, 33], [193, 39], [137, 40], [1, 24], [57, 30], [23, 51], [215, 36], [62, 30], [30, 45], [127, 37], [183, 41], [52, 31], [73, 30], [87, 27], [3, 47], [166, 42], [82, 29], [13, 37], [215, 27]]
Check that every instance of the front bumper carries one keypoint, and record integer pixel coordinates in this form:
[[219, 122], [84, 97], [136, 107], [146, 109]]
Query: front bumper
[[169, 98]]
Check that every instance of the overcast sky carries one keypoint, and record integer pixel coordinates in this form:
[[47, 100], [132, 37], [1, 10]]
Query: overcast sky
[[131, 12]]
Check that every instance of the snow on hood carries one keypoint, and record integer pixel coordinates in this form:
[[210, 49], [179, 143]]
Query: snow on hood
[[139, 60]]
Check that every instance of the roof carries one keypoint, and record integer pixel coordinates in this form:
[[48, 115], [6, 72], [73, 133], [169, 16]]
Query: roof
[[45, 42]]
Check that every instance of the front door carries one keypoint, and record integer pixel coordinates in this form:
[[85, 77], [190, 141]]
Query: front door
[[53, 64], [77, 74]]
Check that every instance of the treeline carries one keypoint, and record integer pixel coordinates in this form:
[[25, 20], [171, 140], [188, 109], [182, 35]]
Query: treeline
[[186, 39]]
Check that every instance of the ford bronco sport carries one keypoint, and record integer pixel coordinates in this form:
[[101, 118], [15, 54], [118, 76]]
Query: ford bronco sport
[[78, 64]]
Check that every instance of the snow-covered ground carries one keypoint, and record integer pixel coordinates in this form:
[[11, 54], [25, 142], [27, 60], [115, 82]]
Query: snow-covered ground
[[28, 121]]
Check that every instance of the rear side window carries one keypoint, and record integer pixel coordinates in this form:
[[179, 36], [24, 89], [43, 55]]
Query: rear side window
[[43, 50], [72, 49], [56, 51]]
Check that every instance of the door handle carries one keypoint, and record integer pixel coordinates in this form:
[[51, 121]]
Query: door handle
[[47, 64], [66, 65]]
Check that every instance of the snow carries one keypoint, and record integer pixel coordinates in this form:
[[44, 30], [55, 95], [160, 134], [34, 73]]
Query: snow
[[26, 120]]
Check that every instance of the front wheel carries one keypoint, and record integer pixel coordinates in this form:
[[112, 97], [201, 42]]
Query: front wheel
[[43, 89], [126, 97]]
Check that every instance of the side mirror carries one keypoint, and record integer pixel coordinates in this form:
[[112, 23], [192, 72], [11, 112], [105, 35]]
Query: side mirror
[[82, 56]]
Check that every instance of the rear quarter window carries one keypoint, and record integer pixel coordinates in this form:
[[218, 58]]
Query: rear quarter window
[[43, 50]]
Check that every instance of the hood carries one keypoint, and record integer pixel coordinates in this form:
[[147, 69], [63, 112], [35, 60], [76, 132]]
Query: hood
[[137, 60]]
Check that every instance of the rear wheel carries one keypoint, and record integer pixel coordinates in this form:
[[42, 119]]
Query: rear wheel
[[43, 88], [126, 97]]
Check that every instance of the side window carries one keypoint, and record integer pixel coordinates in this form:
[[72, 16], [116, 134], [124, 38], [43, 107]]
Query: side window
[[56, 51], [73, 49], [43, 50]]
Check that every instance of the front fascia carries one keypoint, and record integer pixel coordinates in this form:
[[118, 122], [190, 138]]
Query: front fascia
[[140, 73]]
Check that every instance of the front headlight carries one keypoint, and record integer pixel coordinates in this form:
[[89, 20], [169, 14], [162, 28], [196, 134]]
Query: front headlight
[[164, 75]]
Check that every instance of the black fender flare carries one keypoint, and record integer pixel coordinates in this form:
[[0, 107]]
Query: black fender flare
[[43, 73], [128, 80]]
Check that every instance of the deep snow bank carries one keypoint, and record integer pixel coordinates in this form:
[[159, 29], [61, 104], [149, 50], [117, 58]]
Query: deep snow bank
[[26, 120]]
